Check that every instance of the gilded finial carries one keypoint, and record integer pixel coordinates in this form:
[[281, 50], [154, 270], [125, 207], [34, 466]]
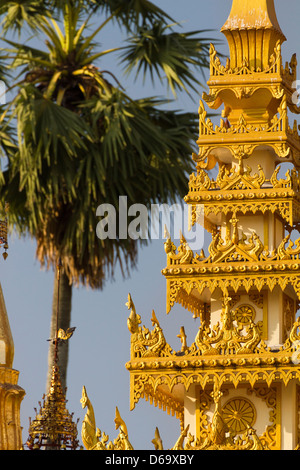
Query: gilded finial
[[154, 319], [134, 320], [157, 441], [182, 337], [53, 428], [120, 423]]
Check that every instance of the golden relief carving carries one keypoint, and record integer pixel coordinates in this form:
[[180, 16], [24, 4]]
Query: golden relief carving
[[271, 396], [275, 67], [244, 314], [235, 249], [145, 343], [232, 249], [278, 124], [250, 372], [254, 347], [241, 137], [239, 414], [233, 178], [228, 339], [231, 427], [245, 80], [239, 190], [240, 178], [244, 202], [289, 311], [226, 279], [236, 335]]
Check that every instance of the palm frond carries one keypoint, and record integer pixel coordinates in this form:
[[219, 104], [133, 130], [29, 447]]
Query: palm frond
[[139, 141], [8, 140], [82, 141], [132, 14], [18, 13], [176, 57], [50, 138]]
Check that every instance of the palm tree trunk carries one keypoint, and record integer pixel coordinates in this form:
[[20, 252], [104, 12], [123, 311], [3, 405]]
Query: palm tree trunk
[[61, 318]]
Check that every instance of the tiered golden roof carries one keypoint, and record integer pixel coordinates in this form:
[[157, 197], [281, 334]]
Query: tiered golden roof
[[254, 138]]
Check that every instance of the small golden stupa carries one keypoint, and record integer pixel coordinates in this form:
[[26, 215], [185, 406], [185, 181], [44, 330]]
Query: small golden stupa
[[53, 427]]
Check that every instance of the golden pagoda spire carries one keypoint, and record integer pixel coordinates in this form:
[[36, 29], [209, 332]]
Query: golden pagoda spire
[[53, 428], [252, 31], [241, 371]]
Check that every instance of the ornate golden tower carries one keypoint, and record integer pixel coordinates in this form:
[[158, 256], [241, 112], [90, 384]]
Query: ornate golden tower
[[11, 394], [237, 385]]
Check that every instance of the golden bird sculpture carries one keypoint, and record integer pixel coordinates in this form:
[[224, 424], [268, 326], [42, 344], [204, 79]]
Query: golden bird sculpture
[[63, 335]]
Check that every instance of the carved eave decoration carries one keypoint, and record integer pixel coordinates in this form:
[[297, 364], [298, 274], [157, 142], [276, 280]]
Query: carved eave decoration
[[230, 353], [214, 437], [242, 138], [244, 190], [232, 264], [156, 381], [244, 81]]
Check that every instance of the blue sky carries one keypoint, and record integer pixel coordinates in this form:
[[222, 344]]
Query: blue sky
[[100, 346]]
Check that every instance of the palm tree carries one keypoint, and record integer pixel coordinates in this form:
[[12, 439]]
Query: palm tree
[[83, 141]]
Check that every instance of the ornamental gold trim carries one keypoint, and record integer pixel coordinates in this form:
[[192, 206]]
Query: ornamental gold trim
[[234, 358]]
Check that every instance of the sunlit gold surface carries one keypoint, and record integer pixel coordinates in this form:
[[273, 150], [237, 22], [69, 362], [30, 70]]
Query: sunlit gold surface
[[11, 394], [233, 365]]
